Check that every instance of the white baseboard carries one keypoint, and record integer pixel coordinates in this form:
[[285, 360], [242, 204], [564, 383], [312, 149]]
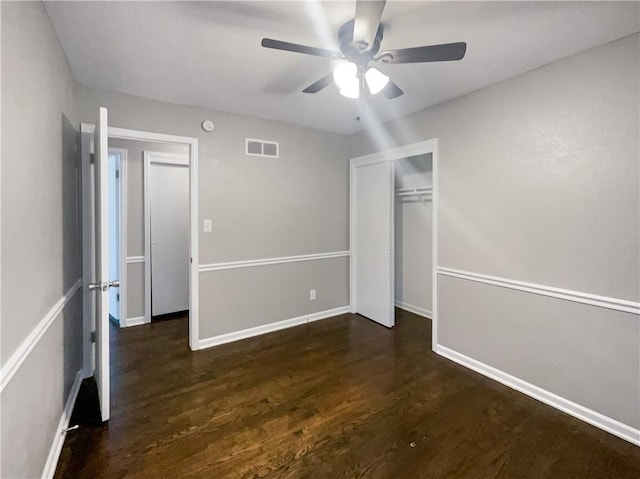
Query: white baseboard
[[271, 327], [414, 309], [594, 418], [135, 321], [58, 440]]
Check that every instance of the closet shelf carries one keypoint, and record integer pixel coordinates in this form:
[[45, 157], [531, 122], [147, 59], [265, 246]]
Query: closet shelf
[[419, 191]]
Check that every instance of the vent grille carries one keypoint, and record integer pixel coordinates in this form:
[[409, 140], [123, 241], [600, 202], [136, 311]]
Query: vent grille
[[269, 149]]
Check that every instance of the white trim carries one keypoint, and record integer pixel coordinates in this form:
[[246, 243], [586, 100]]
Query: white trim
[[393, 154], [146, 215], [163, 158], [135, 259], [587, 415], [135, 321], [124, 277], [353, 276], [19, 355], [58, 440], [128, 134], [194, 296], [268, 261], [414, 309], [268, 328], [122, 217], [151, 158], [435, 152], [566, 294]]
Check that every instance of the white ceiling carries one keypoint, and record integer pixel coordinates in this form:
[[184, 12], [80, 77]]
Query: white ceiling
[[208, 53]]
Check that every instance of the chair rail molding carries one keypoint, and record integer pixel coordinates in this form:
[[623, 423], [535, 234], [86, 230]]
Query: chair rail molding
[[19, 355], [135, 259], [270, 261], [550, 291]]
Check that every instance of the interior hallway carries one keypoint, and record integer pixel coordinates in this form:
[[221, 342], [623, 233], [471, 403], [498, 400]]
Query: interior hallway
[[338, 398]]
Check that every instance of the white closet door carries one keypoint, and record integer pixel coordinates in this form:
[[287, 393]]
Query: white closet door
[[372, 230], [169, 235]]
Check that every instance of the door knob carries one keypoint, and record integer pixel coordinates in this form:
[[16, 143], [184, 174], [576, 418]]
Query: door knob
[[100, 286]]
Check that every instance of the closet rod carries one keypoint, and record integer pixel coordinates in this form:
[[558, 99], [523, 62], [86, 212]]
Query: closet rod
[[418, 189], [417, 193]]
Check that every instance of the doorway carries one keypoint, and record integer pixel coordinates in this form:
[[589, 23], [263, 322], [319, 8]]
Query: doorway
[[117, 160], [132, 260], [135, 252], [373, 207], [166, 225]]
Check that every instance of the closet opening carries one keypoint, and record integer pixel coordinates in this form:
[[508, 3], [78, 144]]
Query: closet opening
[[413, 232], [393, 232]]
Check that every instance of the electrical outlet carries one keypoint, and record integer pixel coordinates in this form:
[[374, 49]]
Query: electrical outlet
[[312, 294], [207, 226]]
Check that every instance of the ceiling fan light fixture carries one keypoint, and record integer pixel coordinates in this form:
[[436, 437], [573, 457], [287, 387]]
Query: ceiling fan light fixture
[[376, 80], [352, 90], [346, 77], [345, 74]]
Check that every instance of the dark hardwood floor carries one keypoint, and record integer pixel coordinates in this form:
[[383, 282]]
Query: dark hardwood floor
[[338, 398]]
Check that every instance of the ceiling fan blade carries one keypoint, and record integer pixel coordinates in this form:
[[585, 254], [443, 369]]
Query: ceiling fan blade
[[366, 23], [324, 82], [392, 90], [297, 48], [433, 53]]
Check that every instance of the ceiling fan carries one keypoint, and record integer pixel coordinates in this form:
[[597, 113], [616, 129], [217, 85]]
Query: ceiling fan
[[360, 40]]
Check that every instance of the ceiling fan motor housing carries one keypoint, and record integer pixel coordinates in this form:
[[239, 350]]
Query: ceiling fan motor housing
[[351, 50]]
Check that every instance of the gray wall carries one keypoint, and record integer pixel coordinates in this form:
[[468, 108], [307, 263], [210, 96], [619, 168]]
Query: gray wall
[[413, 236], [539, 182], [41, 251], [135, 214], [261, 207]]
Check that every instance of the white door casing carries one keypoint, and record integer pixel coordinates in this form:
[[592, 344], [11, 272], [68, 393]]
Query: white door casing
[[88, 231]]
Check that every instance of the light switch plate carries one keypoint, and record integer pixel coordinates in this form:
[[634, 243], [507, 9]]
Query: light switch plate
[[207, 226]]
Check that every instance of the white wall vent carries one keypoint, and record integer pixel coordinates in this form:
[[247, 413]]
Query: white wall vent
[[269, 149]]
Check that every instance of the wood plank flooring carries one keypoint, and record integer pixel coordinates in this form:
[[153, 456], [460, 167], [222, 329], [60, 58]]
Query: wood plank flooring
[[338, 398]]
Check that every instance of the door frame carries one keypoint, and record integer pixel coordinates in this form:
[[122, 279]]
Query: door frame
[[122, 233], [88, 201], [392, 155], [163, 158]]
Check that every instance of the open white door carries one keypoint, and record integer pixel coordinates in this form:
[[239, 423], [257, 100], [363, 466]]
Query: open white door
[[372, 259], [101, 283]]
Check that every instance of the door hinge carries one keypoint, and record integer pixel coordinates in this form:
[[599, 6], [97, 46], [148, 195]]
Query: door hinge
[[93, 336], [92, 158], [117, 173], [117, 296]]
